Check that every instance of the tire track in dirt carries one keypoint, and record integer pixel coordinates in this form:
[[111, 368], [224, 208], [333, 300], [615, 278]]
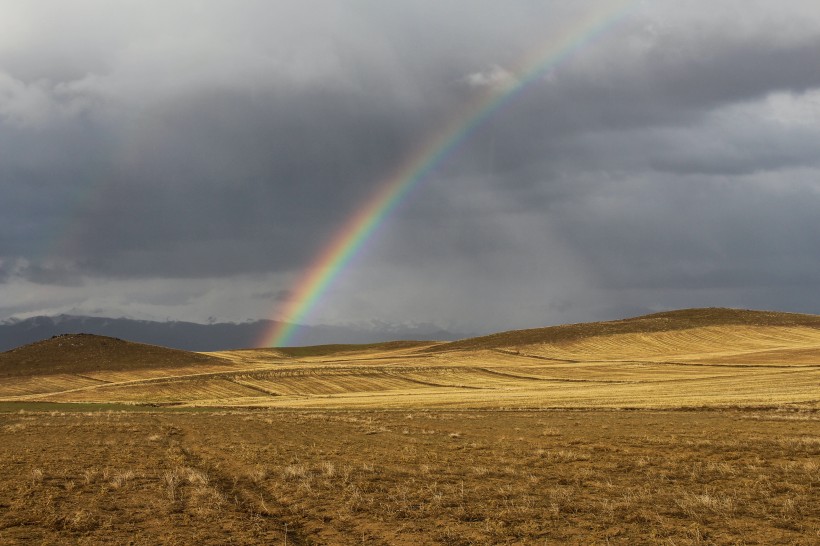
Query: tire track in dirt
[[259, 503], [248, 499]]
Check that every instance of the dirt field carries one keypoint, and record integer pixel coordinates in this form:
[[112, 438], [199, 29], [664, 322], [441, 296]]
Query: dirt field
[[416, 477], [690, 427]]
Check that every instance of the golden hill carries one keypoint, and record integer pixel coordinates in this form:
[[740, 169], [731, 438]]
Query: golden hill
[[683, 319], [687, 358]]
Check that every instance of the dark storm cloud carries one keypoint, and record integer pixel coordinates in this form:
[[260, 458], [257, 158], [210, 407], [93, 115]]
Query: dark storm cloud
[[211, 185], [50, 274], [213, 193], [229, 141], [651, 91], [697, 233], [274, 295], [241, 162]]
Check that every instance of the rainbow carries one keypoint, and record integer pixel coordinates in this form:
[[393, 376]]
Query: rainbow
[[360, 226]]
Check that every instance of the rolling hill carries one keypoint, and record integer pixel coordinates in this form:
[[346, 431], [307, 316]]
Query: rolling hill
[[686, 358], [683, 319], [82, 353]]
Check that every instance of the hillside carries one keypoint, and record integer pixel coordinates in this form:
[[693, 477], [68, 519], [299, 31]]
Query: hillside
[[82, 353], [647, 324], [691, 358]]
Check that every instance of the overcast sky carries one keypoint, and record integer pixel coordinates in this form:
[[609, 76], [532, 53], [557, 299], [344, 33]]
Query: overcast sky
[[189, 159]]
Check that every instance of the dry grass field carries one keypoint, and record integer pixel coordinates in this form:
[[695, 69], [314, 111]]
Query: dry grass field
[[689, 427], [713, 358], [410, 478]]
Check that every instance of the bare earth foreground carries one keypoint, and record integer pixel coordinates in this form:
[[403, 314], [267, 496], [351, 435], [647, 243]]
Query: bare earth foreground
[[690, 427]]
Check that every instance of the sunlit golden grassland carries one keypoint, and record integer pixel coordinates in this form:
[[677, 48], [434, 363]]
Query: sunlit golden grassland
[[411, 477], [710, 366]]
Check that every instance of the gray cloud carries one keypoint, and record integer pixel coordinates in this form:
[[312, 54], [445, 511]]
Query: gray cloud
[[195, 158]]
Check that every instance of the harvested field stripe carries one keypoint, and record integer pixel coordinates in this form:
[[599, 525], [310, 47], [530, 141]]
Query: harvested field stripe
[[253, 387], [433, 384], [91, 378], [548, 378]]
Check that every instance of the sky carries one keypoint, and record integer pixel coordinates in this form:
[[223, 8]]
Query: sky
[[189, 160]]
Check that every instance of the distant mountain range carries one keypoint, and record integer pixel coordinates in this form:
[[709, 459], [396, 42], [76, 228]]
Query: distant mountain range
[[206, 337]]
